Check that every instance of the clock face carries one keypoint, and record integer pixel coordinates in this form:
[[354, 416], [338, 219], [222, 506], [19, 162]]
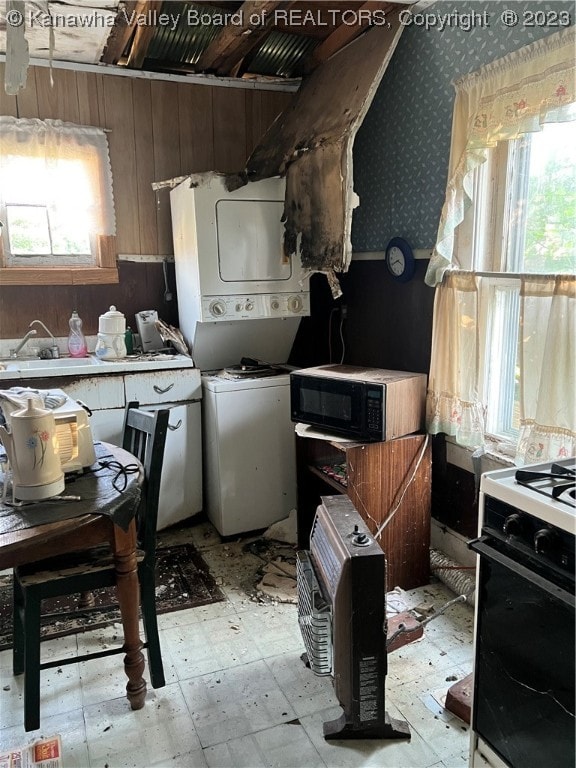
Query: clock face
[[396, 261]]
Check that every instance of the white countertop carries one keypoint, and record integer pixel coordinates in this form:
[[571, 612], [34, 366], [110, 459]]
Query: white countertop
[[34, 368]]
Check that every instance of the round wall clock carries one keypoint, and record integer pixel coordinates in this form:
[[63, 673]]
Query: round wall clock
[[400, 260]]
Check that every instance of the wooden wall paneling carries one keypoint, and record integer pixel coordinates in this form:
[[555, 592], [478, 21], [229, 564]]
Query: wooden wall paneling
[[90, 109], [119, 118], [229, 129], [8, 104], [273, 104], [143, 140], [27, 98], [254, 128], [262, 108], [195, 116], [165, 126], [57, 100]]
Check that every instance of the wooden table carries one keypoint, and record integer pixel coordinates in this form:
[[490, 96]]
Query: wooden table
[[77, 533]]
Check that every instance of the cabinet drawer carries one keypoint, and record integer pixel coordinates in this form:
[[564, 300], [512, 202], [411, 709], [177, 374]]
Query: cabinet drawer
[[97, 392], [163, 386]]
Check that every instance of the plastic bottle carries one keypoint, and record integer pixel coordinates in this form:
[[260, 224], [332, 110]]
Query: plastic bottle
[[129, 339], [76, 340]]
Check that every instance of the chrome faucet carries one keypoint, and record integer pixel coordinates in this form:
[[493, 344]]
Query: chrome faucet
[[14, 352], [52, 352]]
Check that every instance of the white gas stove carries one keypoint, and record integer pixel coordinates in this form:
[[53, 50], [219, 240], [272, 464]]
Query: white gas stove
[[546, 491], [524, 646]]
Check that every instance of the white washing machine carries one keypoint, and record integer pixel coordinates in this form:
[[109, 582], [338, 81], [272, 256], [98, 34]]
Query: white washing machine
[[239, 293], [249, 450]]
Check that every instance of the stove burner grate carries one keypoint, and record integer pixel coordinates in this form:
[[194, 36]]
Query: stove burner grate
[[559, 482]]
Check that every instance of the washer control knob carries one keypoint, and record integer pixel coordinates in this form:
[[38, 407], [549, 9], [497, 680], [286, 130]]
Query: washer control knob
[[217, 308], [294, 303]]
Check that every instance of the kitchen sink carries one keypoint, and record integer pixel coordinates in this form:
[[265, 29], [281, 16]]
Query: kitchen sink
[[48, 366], [59, 362]]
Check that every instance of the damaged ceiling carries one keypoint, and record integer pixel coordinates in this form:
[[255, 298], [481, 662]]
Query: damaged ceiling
[[334, 51], [251, 40]]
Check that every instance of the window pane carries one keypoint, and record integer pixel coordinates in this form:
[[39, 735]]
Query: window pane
[[550, 237], [62, 189], [28, 230], [502, 370]]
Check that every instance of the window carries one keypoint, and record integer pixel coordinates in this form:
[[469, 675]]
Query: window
[[503, 361], [56, 203], [522, 220]]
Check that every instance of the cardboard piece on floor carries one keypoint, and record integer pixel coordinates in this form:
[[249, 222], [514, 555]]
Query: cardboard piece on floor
[[43, 753]]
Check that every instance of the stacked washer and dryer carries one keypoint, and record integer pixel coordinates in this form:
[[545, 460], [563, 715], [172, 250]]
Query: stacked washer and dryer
[[240, 301]]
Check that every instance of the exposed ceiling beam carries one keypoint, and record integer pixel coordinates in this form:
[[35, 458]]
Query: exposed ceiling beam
[[143, 36], [122, 31], [234, 41], [343, 34]]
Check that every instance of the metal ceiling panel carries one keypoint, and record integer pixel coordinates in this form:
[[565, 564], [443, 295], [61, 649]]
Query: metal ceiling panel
[[186, 43], [281, 54]]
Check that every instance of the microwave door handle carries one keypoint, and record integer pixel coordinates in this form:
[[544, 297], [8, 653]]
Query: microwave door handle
[[485, 550]]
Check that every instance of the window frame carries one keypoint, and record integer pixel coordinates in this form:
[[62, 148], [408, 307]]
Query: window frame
[[484, 246], [101, 269]]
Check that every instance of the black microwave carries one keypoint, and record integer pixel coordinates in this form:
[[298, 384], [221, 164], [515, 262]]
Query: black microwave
[[367, 404]]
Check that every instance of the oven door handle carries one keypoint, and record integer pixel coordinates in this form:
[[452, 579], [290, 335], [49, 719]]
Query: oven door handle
[[485, 550]]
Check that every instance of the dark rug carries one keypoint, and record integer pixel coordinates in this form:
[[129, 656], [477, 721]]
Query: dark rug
[[183, 580]]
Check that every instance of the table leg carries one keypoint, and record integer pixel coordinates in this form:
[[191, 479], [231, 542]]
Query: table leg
[[128, 591]]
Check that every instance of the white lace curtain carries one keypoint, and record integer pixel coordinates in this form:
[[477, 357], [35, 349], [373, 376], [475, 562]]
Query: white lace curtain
[[503, 100], [546, 361], [511, 96], [55, 144]]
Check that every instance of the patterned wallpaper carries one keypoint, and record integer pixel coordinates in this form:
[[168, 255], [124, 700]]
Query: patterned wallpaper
[[402, 148]]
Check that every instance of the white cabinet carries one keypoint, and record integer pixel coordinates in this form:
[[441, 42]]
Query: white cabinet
[[181, 486], [178, 389]]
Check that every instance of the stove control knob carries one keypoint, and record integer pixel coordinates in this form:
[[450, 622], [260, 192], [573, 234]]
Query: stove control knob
[[217, 308], [249, 306], [275, 305], [513, 525], [544, 541]]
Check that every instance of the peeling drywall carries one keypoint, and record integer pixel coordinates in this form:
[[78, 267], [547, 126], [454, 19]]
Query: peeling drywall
[[311, 144]]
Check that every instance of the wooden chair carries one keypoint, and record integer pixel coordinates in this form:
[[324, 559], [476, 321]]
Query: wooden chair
[[79, 573]]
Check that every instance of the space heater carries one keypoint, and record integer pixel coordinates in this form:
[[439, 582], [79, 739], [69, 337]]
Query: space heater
[[341, 584]]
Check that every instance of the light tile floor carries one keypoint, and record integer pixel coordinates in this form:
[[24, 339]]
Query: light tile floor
[[237, 694]]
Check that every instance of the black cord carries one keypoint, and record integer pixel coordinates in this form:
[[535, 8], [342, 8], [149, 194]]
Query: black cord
[[122, 471]]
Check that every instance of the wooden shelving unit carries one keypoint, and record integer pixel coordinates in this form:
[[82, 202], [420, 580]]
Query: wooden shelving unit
[[381, 478]]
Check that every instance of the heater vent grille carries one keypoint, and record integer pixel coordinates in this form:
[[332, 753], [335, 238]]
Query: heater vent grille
[[314, 617]]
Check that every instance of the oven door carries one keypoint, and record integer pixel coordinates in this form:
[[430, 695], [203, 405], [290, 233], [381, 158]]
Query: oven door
[[523, 705]]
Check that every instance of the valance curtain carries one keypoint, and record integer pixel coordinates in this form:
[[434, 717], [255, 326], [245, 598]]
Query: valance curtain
[[56, 146], [511, 96]]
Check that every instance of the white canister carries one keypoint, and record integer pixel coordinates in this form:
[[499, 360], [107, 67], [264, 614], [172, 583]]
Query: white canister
[[112, 322]]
